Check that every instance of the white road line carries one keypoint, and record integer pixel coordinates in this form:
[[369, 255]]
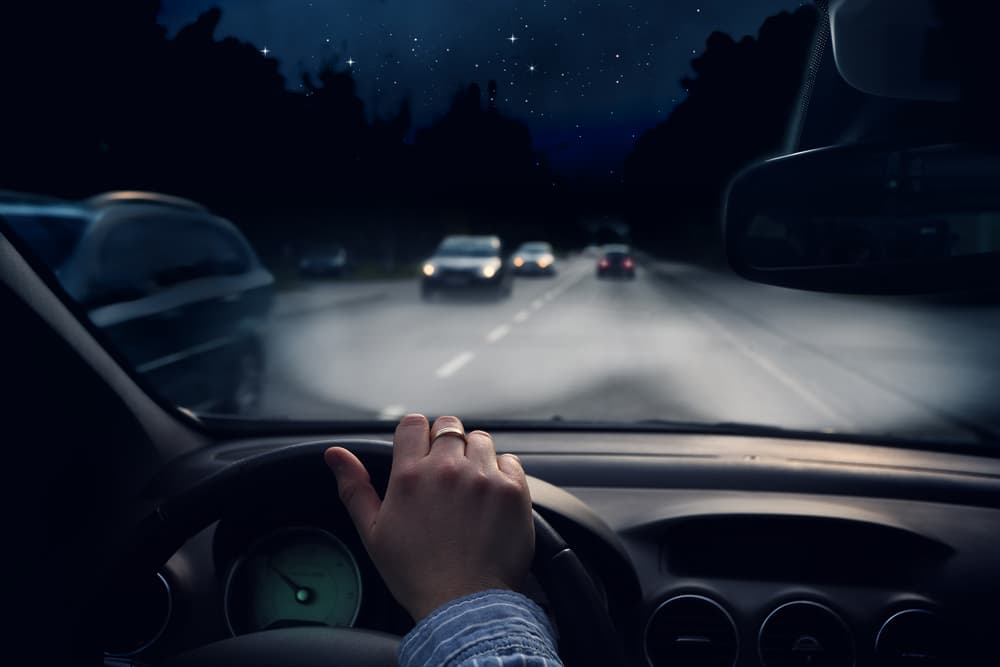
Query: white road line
[[452, 366], [391, 412], [537, 303], [797, 387], [522, 316], [498, 333]]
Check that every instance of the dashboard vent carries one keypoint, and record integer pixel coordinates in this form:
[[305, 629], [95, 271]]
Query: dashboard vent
[[805, 634], [911, 637], [691, 631]]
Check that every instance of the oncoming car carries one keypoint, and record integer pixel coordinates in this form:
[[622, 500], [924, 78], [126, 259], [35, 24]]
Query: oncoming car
[[467, 264], [534, 258]]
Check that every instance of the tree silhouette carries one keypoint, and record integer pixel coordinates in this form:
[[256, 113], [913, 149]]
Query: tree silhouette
[[98, 97], [472, 151], [737, 109]]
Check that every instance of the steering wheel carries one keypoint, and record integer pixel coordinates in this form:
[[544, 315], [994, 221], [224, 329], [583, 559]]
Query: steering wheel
[[587, 636]]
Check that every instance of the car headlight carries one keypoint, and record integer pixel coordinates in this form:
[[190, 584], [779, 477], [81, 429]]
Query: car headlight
[[429, 269], [489, 271], [545, 260], [518, 262]]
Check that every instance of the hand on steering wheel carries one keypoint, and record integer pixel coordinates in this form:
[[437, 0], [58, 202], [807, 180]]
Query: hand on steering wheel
[[450, 524], [456, 518]]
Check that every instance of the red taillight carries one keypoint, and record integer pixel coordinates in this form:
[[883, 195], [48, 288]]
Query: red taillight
[[628, 263], [604, 263]]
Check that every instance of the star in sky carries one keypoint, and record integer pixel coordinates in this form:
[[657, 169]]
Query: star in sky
[[614, 65]]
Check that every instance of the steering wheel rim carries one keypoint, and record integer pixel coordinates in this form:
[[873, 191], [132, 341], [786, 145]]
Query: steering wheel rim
[[586, 633]]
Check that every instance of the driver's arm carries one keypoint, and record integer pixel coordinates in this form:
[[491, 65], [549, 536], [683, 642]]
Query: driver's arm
[[452, 538]]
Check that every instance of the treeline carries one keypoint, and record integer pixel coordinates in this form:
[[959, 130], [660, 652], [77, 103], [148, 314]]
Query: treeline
[[737, 110], [97, 96]]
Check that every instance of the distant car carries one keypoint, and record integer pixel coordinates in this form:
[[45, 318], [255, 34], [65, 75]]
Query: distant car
[[178, 290], [324, 262], [534, 258], [467, 264], [616, 261]]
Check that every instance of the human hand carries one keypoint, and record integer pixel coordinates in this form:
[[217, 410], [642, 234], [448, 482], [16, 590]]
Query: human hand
[[456, 518]]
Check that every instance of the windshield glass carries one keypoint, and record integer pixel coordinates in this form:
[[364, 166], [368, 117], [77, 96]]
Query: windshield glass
[[52, 235], [467, 250], [320, 155]]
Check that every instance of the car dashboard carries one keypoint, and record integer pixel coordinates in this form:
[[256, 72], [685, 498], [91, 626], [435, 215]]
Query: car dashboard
[[708, 550]]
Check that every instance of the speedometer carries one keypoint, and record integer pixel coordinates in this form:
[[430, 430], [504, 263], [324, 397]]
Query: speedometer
[[296, 576]]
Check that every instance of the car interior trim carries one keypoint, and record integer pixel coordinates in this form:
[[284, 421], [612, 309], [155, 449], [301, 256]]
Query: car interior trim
[[162, 628], [164, 422]]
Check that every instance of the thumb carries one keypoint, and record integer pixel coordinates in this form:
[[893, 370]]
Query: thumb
[[355, 487]]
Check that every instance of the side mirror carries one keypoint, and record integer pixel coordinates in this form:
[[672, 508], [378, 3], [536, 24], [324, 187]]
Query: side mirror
[[869, 220]]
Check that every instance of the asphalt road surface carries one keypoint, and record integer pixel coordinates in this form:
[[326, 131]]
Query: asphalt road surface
[[678, 343]]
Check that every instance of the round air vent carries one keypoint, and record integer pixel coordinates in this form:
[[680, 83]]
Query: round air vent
[[911, 637], [805, 634], [691, 631], [136, 614]]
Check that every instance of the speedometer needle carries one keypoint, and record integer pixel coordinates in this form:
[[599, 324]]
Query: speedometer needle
[[302, 594]]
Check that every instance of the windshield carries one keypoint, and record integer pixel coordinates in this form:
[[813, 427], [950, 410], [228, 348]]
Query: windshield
[[322, 157], [467, 250], [52, 234]]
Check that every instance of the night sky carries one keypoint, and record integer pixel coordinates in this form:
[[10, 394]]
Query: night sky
[[587, 77]]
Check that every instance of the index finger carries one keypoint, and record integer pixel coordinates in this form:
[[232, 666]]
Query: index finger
[[412, 439]]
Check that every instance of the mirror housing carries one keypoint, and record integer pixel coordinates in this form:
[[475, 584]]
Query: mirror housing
[[865, 219], [895, 48]]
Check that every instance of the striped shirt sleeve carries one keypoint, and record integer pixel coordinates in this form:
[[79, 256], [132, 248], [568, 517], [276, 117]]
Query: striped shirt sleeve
[[493, 628]]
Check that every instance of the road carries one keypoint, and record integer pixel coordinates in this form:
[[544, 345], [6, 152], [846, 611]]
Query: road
[[678, 343]]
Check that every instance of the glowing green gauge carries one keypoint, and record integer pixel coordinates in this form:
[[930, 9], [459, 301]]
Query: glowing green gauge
[[297, 576]]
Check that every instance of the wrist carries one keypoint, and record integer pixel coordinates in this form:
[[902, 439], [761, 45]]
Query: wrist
[[442, 596], [495, 622]]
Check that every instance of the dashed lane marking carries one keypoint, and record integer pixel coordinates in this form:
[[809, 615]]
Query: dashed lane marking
[[452, 366], [498, 333], [391, 412]]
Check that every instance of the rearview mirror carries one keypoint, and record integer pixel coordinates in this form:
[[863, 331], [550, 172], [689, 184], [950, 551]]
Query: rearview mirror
[[895, 48], [869, 220]]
